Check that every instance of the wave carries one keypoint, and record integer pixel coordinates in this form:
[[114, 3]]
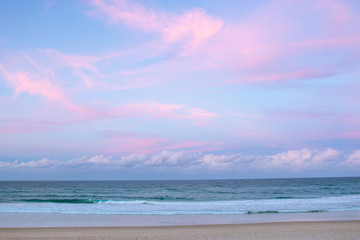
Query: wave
[[91, 201], [294, 198], [73, 201], [159, 207], [273, 212], [189, 201], [316, 211], [261, 212]]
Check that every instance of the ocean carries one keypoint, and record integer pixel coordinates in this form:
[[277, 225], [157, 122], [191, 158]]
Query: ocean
[[181, 197]]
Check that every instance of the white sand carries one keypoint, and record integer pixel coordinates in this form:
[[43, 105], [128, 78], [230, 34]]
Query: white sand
[[264, 231]]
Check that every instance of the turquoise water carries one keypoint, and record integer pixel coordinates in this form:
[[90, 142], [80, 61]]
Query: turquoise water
[[211, 197]]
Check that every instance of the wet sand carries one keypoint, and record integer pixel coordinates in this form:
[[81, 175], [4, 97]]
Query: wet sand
[[255, 231]]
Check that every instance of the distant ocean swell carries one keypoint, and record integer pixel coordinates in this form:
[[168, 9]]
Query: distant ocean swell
[[88, 206], [182, 197]]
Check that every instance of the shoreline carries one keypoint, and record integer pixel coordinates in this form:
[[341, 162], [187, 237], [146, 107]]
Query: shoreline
[[251, 231], [41, 220]]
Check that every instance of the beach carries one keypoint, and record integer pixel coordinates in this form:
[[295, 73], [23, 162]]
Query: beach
[[322, 208], [285, 230]]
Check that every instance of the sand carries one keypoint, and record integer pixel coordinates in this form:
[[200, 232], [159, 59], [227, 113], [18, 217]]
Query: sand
[[264, 231]]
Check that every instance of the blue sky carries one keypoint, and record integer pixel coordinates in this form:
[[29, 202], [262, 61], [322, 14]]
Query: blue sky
[[174, 90]]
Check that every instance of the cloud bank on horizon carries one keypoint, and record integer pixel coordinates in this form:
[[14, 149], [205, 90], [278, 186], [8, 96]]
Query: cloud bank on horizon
[[191, 87]]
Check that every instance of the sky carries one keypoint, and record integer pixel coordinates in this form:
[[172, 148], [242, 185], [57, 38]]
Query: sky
[[193, 89]]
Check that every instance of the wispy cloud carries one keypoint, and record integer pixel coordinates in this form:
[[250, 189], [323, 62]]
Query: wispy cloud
[[28, 76], [142, 143], [350, 135], [41, 75], [246, 115], [84, 67], [153, 109], [49, 4], [25, 82], [191, 28], [270, 45], [21, 126], [179, 85]]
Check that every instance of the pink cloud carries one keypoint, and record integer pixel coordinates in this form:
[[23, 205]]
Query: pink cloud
[[153, 109], [284, 76], [193, 27], [338, 15], [299, 114], [130, 13], [25, 82], [78, 63], [272, 45], [246, 115], [38, 77], [142, 143], [49, 4], [188, 145], [20, 126], [133, 143], [198, 113], [149, 110], [201, 116], [39, 83], [350, 135]]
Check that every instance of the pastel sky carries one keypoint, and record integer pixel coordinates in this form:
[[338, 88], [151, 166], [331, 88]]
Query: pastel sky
[[157, 89]]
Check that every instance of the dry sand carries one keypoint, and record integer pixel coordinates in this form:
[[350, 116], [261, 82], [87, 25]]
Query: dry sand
[[264, 231]]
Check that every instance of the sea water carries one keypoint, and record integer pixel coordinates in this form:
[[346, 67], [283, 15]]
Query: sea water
[[185, 197]]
